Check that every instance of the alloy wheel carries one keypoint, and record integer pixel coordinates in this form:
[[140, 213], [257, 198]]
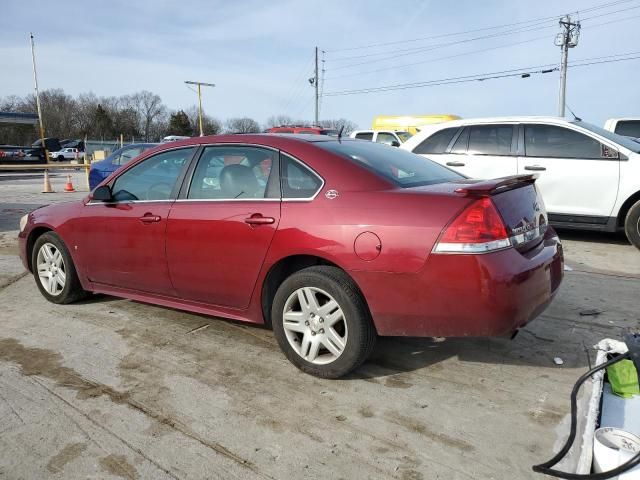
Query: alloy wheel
[[315, 325], [51, 269]]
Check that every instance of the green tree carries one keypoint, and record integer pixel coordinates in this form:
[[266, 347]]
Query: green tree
[[179, 124], [102, 123]]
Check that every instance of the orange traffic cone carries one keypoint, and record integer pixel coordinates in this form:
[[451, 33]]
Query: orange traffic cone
[[69, 186], [47, 183]]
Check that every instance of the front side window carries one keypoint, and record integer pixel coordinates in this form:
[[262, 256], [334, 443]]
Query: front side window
[[559, 142], [436, 143], [365, 136], [403, 136], [234, 173], [490, 139], [152, 179], [402, 168], [297, 180]]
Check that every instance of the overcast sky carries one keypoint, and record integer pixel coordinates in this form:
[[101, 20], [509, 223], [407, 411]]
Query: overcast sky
[[260, 54]]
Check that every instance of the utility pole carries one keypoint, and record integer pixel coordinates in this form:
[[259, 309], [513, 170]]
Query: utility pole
[[316, 84], [566, 39], [35, 86], [200, 84]]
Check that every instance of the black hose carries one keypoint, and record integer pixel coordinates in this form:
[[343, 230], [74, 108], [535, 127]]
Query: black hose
[[546, 466]]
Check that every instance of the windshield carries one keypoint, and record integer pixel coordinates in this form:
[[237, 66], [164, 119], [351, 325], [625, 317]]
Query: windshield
[[403, 136], [401, 167], [614, 137]]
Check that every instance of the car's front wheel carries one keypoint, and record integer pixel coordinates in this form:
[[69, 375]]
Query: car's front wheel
[[54, 271], [321, 322], [632, 224]]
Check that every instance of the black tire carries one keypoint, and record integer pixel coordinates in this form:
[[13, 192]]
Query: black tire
[[72, 290], [60, 158], [361, 332], [632, 224]]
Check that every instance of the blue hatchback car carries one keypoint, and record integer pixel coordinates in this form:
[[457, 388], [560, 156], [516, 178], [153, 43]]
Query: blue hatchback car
[[102, 169]]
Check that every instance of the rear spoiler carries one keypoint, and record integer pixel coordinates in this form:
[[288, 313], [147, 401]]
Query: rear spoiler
[[485, 188]]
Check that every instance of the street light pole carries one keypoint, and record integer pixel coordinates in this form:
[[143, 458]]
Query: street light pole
[[200, 85], [35, 85]]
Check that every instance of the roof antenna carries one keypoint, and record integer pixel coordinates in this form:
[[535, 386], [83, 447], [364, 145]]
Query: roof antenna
[[340, 132], [575, 117]]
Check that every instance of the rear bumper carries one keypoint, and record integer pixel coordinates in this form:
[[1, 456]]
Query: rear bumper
[[493, 294]]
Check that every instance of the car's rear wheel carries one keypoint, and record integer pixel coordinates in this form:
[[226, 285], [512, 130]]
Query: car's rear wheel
[[322, 323], [632, 224], [54, 270]]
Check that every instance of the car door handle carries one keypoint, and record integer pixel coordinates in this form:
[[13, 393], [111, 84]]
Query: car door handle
[[258, 219], [455, 164], [148, 218], [535, 168]]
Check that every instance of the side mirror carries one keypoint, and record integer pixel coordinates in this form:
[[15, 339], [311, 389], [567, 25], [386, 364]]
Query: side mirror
[[102, 194], [395, 143]]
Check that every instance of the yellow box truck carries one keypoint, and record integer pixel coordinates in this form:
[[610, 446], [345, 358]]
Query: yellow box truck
[[409, 123]]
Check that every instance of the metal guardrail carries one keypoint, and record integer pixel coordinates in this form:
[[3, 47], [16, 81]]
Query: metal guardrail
[[49, 166]]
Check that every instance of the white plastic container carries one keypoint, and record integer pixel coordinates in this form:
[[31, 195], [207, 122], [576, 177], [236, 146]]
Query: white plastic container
[[611, 448]]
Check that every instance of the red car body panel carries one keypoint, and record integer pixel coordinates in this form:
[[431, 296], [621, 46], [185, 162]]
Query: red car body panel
[[215, 263]]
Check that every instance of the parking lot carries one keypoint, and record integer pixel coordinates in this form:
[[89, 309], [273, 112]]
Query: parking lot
[[111, 388]]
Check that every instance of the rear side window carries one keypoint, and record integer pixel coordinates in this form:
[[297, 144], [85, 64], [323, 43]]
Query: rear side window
[[436, 143], [628, 128], [462, 142], [386, 138], [490, 139], [297, 181], [559, 142], [399, 166], [365, 136], [234, 173]]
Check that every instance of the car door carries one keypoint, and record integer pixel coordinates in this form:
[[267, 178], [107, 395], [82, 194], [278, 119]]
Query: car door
[[124, 240], [485, 151], [220, 228], [578, 174]]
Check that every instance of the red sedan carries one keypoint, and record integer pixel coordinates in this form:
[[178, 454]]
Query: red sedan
[[330, 241]]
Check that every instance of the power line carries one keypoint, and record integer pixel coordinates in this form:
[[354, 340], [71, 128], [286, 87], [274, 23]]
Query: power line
[[393, 67], [417, 50], [525, 71], [495, 27], [446, 57]]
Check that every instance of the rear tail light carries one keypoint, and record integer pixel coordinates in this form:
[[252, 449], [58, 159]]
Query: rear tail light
[[478, 229]]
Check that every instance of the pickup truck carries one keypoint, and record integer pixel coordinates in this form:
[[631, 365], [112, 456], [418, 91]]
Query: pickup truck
[[629, 127], [66, 154]]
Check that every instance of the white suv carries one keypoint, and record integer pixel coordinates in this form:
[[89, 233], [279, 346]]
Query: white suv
[[589, 177], [389, 137]]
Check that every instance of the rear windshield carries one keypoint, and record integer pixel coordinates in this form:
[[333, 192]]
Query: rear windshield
[[401, 167], [614, 137]]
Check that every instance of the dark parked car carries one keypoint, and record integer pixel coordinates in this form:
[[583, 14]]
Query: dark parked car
[[102, 169], [329, 241]]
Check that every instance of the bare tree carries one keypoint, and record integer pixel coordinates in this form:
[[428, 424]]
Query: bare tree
[[210, 125], [149, 107], [242, 125]]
